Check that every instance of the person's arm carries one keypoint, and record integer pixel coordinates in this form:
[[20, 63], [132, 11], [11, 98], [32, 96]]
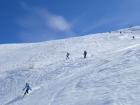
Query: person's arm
[[24, 88]]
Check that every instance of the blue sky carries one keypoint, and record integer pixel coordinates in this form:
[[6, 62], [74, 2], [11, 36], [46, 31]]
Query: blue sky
[[41, 20]]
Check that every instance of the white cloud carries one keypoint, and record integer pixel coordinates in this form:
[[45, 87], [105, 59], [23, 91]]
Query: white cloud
[[58, 23], [39, 24]]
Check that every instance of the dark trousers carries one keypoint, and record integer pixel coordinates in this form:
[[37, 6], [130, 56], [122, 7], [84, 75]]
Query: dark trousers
[[85, 56], [26, 92]]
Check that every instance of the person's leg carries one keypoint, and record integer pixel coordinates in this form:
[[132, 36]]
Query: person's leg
[[85, 56], [27, 91], [67, 57]]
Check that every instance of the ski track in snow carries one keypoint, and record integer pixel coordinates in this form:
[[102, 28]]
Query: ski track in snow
[[108, 76]]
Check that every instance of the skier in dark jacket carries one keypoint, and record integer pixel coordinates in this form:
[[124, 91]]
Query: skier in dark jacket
[[67, 56], [133, 37], [85, 54], [27, 88]]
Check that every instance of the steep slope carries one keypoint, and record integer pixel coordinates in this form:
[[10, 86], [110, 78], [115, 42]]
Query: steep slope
[[109, 76]]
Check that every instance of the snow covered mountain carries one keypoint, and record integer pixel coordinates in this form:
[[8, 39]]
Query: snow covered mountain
[[110, 75]]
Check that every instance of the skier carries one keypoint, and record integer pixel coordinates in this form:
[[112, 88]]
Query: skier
[[67, 56], [85, 54], [133, 37], [27, 88]]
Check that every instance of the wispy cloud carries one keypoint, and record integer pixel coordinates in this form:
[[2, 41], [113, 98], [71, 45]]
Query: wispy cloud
[[58, 23], [107, 21], [39, 24], [126, 13]]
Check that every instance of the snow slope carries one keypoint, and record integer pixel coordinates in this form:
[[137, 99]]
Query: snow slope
[[109, 76]]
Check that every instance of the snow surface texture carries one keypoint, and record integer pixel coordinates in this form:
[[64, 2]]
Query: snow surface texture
[[110, 75]]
